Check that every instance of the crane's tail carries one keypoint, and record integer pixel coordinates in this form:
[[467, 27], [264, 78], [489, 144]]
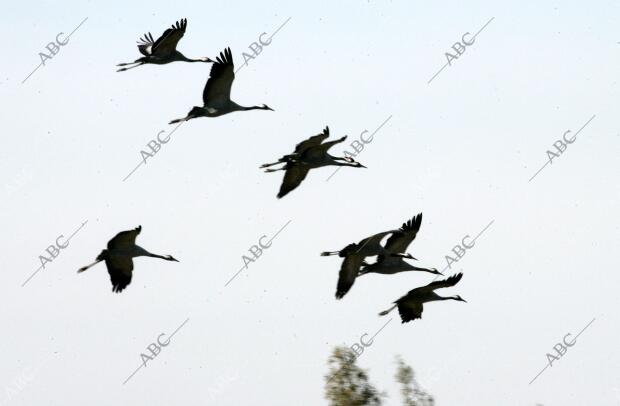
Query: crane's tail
[[383, 313]]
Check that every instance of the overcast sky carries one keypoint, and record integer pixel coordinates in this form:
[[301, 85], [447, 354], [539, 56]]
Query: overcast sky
[[461, 150]]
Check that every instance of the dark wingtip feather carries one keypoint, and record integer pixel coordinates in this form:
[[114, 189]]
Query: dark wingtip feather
[[413, 223]]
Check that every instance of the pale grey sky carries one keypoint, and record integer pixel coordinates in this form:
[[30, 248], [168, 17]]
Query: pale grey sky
[[460, 149]]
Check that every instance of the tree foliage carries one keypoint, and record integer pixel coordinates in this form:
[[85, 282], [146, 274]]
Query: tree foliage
[[346, 383], [410, 390]]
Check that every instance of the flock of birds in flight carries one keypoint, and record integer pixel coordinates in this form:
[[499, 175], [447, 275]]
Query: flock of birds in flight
[[311, 153]]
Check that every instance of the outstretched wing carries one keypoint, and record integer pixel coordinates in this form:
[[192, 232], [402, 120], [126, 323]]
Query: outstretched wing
[[294, 175], [119, 269], [445, 283], [410, 311], [312, 141], [124, 239], [319, 151], [145, 45], [217, 90], [348, 272], [373, 242], [400, 240], [167, 43]]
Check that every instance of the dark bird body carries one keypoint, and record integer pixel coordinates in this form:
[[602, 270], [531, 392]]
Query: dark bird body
[[354, 255], [410, 306], [309, 154], [118, 258], [216, 94], [398, 243], [163, 50]]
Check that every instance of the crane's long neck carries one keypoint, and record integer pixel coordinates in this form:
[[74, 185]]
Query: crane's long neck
[[244, 108], [410, 267], [344, 163], [141, 252], [181, 57], [156, 256], [448, 298]]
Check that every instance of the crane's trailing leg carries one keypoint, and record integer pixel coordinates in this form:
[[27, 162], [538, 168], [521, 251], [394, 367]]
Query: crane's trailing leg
[[383, 313], [283, 160], [131, 67], [82, 269]]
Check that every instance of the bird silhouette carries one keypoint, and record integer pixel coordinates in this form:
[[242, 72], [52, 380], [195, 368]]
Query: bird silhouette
[[309, 154], [398, 242], [354, 255], [118, 258], [163, 50], [216, 94], [410, 306]]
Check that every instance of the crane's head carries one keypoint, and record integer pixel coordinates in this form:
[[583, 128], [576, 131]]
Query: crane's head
[[460, 299], [265, 107], [171, 258], [353, 162]]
